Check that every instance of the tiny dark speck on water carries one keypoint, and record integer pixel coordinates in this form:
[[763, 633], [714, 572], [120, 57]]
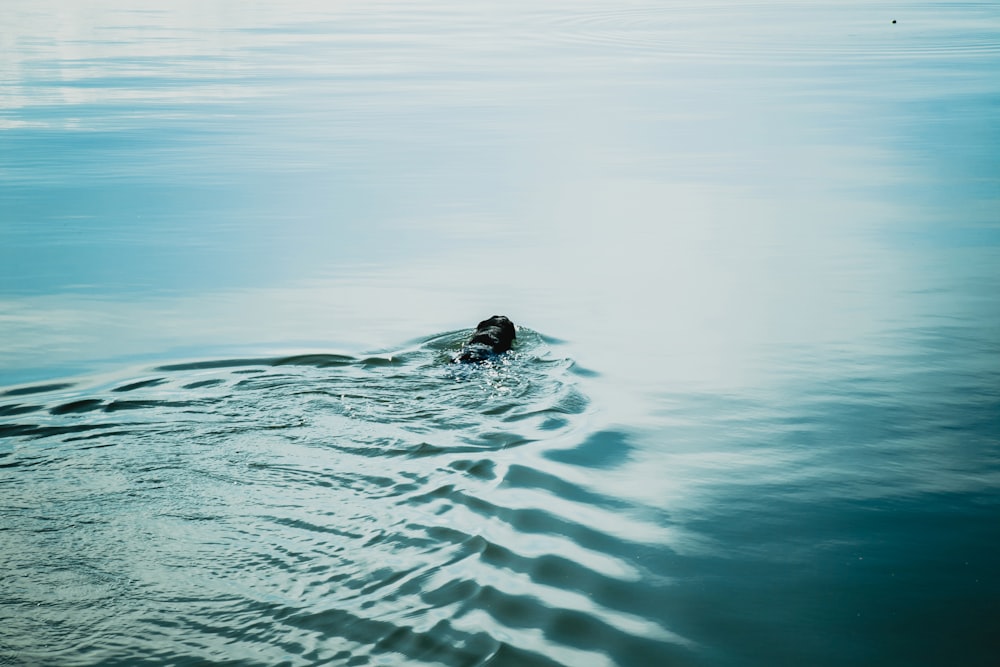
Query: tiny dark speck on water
[[894, 20]]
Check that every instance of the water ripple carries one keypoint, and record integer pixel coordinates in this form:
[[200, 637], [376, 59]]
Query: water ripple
[[317, 508]]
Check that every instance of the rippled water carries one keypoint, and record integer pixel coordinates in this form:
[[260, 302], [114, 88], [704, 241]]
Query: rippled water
[[752, 416]]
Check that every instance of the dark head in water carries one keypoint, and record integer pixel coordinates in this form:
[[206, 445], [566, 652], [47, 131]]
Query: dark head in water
[[492, 336]]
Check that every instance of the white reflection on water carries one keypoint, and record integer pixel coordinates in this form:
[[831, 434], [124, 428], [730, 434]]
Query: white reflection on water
[[681, 193], [684, 195]]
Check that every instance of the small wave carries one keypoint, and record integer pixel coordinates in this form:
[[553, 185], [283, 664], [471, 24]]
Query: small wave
[[317, 508], [37, 389]]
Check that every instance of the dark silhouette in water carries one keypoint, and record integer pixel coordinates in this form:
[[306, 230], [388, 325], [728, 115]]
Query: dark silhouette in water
[[493, 336]]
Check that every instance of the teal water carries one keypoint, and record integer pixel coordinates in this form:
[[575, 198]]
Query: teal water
[[752, 418]]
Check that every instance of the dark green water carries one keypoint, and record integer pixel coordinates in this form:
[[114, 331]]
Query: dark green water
[[752, 418]]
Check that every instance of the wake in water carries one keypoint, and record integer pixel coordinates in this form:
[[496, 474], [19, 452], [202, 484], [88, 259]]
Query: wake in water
[[311, 509]]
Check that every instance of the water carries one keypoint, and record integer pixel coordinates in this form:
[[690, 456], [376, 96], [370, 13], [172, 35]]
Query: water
[[753, 416]]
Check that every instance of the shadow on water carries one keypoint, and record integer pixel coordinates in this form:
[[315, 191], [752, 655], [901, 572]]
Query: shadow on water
[[321, 508]]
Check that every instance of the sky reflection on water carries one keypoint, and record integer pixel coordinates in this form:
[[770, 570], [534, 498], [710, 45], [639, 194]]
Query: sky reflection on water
[[669, 189]]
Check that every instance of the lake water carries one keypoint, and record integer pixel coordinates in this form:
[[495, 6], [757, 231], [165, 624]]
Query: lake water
[[753, 413]]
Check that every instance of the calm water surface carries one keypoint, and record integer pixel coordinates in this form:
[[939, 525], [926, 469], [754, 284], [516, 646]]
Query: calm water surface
[[753, 416]]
